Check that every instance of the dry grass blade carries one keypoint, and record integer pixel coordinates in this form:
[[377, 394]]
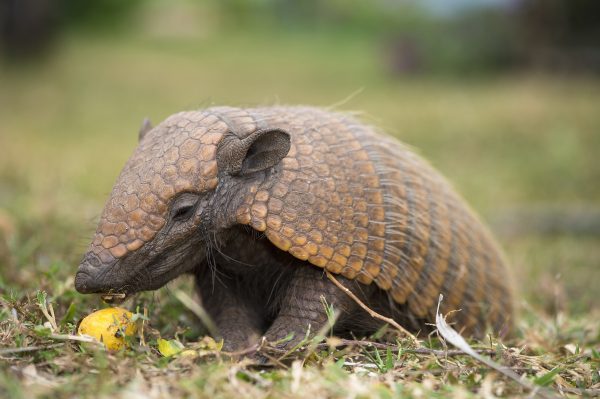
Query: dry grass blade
[[244, 352], [371, 312], [77, 338], [48, 312], [452, 336], [11, 351], [421, 351]]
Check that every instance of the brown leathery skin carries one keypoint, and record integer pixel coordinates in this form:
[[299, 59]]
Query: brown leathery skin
[[345, 198]]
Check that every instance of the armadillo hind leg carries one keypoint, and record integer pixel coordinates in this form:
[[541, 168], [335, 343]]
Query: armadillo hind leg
[[238, 322], [303, 307]]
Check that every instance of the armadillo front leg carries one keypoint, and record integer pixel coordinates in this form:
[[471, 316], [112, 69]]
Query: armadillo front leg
[[302, 311], [238, 323]]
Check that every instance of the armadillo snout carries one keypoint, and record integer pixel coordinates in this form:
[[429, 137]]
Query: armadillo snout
[[90, 277], [83, 282]]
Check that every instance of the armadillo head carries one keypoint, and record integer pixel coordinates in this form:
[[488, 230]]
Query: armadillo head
[[172, 193]]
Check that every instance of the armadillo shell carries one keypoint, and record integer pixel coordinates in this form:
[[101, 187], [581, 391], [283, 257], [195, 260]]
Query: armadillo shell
[[362, 205]]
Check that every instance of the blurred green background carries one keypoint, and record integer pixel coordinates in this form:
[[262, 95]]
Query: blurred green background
[[502, 97]]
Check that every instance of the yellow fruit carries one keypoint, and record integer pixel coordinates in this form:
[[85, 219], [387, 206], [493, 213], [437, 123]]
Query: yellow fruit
[[109, 326]]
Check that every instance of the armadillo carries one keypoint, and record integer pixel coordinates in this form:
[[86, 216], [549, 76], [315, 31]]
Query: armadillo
[[257, 204]]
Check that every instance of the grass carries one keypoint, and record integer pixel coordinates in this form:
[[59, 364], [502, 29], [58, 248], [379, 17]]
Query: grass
[[510, 144]]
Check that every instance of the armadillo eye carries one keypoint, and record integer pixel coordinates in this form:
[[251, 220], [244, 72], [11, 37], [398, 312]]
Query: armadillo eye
[[184, 206], [183, 213]]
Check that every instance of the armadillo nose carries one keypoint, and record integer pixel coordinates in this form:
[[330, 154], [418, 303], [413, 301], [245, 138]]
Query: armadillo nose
[[87, 278], [82, 282]]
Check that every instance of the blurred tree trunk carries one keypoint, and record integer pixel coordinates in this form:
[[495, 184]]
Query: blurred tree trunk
[[561, 35], [26, 26]]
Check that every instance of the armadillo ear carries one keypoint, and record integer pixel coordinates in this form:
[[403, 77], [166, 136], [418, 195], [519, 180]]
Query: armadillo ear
[[261, 150], [145, 128], [266, 148]]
